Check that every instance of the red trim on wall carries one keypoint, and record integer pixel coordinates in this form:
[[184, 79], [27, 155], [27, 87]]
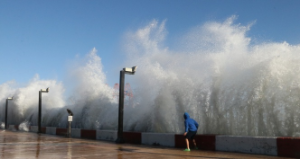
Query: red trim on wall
[[206, 142], [132, 137], [43, 130], [180, 141], [288, 147], [88, 134], [61, 131]]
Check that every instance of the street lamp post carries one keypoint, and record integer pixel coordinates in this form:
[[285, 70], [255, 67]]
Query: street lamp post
[[70, 119], [130, 71], [40, 109], [6, 107]]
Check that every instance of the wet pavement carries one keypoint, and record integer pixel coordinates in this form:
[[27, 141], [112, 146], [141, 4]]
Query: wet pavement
[[23, 145]]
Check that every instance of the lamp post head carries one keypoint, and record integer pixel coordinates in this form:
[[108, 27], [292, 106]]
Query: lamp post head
[[70, 112], [130, 70], [10, 98], [134, 68], [45, 90]]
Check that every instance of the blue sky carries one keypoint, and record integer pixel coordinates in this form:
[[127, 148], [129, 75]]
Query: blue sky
[[42, 37]]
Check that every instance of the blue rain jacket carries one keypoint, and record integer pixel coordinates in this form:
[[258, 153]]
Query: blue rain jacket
[[189, 123]]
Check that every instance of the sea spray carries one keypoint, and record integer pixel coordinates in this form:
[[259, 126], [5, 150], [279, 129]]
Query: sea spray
[[228, 84], [24, 126], [24, 105]]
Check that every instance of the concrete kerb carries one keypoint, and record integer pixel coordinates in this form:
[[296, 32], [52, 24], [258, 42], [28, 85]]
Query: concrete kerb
[[252, 145], [12, 128], [33, 129], [76, 133]]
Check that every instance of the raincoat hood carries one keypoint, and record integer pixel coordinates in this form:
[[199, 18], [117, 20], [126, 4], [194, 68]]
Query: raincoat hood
[[186, 115]]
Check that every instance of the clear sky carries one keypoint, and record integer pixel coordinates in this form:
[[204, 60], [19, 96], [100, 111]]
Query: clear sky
[[42, 37]]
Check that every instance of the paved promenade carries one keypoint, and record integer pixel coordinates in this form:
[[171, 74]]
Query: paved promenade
[[22, 145]]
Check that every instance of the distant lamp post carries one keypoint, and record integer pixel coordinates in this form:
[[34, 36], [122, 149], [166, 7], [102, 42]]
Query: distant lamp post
[[40, 109], [6, 108], [70, 119], [129, 71]]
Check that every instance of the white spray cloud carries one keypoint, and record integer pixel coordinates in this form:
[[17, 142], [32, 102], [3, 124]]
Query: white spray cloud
[[90, 81], [228, 85], [25, 101], [92, 99], [6, 90]]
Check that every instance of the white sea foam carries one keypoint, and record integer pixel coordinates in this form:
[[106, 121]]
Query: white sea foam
[[229, 85]]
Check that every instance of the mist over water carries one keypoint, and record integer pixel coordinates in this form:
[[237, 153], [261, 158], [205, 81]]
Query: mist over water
[[226, 83]]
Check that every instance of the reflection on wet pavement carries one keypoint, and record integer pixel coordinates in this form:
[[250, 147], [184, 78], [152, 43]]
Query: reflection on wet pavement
[[21, 145]]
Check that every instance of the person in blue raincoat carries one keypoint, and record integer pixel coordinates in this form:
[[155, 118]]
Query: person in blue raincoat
[[191, 127]]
